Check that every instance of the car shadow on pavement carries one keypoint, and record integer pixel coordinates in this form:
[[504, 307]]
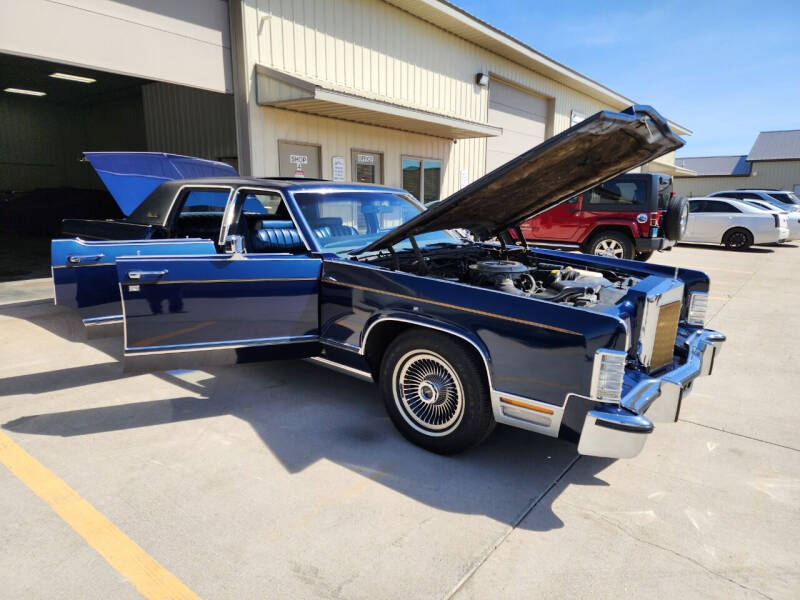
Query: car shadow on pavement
[[750, 250], [304, 413]]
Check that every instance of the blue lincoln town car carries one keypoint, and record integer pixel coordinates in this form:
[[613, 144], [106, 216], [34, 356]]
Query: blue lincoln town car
[[459, 334]]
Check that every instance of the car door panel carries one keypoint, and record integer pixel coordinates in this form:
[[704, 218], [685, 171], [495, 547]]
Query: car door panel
[[85, 276], [223, 301]]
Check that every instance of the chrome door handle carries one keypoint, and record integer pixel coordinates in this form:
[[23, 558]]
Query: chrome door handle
[[141, 275], [76, 259]]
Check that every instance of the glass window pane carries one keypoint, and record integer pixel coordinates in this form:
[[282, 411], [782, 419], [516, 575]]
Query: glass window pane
[[202, 201], [433, 180], [412, 177]]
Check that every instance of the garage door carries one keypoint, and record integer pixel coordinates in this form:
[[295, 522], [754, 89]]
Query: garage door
[[182, 41], [523, 118]]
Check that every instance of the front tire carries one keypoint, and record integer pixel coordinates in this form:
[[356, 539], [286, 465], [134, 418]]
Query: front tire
[[435, 391], [610, 243], [737, 238]]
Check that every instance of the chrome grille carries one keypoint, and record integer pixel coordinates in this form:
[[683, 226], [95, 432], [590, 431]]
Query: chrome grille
[[666, 330], [659, 324]]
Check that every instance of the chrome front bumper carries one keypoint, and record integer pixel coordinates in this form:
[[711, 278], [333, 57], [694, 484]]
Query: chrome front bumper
[[620, 431]]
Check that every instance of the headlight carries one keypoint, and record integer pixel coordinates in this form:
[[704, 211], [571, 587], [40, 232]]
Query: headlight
[[698, 307], [608, 373]]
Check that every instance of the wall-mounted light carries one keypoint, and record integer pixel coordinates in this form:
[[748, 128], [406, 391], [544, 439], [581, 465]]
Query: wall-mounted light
[[68, 77], [482, 79], [24, 92]]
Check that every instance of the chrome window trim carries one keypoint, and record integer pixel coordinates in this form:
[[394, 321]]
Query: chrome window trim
[[230, 214], [193, 186]]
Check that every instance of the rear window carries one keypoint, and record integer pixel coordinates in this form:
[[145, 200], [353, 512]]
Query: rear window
[[627, 193], [785, 197]]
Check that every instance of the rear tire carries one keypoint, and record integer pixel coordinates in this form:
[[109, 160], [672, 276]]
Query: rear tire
[[643, 256], [611, 243], [435, 392], [737, 238]]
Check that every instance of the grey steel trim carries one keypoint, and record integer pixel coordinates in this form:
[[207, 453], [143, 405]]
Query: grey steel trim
[[340, 368], [257, 189], [340, 345], [222, 345], [94, 321], [530, 419]]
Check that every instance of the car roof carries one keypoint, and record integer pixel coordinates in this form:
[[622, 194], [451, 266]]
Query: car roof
[[291, 184]]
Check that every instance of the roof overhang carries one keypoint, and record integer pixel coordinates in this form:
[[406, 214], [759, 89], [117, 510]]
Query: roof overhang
[[466, 26], [281, 90], [668, 168]]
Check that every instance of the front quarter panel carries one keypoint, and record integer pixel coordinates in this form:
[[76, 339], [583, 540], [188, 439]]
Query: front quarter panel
[[535, 349]]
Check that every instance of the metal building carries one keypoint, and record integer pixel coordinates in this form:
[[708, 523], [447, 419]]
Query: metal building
[[411, 93], [772, 163]]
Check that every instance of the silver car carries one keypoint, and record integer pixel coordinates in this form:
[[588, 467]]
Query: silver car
[[781, 199], [792, 218], [734, 223]]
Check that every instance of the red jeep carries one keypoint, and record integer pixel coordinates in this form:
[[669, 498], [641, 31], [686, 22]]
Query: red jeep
[[628, 217]]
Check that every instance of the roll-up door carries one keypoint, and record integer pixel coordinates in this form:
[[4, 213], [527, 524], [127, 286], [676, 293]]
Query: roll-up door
[[523, 118]]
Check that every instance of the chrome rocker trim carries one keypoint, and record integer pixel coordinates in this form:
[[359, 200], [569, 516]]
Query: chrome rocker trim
[[621, 431]]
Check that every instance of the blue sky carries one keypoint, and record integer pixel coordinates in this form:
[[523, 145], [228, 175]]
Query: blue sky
[[725, 70]]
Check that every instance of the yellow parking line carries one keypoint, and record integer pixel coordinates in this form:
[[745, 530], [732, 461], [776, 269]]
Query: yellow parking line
[[139, 568]]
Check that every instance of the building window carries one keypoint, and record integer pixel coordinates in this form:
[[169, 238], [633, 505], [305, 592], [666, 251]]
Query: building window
[[422, 177]]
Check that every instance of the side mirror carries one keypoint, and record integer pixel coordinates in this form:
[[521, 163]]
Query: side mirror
[[234, 244]]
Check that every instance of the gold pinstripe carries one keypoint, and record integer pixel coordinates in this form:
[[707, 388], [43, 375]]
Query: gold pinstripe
[[456, 307], [138, 282]]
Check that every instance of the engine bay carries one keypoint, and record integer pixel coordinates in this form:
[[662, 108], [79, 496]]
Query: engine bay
[[514, 272]]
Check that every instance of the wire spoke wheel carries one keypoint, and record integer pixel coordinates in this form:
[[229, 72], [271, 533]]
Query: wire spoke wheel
[[428, 392], [609, 247]]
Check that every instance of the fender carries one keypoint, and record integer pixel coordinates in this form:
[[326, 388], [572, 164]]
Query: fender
[[422, 321], [621, 223]]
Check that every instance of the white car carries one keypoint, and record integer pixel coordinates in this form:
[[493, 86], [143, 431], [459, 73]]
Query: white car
[[792, 218], [734, 223]]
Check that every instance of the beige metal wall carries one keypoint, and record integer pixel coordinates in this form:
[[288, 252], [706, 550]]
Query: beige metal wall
[[778, 174], [375, 50]]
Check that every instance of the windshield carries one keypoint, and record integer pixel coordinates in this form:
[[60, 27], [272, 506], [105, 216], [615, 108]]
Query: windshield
[[348, 220], [785, 197]]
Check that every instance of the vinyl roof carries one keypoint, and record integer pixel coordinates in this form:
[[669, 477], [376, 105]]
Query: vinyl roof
[[776, 145], [708, 166]]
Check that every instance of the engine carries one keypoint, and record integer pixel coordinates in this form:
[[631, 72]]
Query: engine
[[548, 282]]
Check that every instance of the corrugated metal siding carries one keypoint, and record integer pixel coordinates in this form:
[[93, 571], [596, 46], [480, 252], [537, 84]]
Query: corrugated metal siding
[[188, 121], [781, 175], [375, 50]]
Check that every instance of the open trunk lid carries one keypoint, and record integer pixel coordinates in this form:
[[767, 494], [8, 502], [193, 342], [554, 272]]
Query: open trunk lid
[[131, 176], [603, 146]]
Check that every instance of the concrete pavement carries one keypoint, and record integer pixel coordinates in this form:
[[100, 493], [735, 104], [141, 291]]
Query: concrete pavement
[[287, 480]]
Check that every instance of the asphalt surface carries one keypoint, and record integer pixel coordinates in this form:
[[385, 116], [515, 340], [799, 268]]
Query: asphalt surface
[[286, 480]]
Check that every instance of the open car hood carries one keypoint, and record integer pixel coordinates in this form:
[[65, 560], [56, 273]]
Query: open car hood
[[131, 176], [599, 148]]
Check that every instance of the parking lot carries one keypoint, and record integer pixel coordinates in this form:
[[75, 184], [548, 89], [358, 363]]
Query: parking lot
[[286, 480]]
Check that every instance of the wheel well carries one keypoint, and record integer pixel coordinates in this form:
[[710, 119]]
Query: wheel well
[[603, 228], [737, 228], [382, 334]]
